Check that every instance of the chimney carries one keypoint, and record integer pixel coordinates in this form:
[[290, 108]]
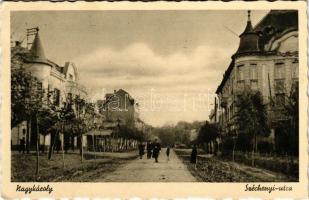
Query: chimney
[[17, 43]]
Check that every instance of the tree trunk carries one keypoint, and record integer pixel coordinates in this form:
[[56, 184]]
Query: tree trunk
[[53, 137], [293, 128], [72, 143], [233, 152], [43, 146], [28, 136], [253, 149], [37, 146], [81, 149], [93, 143], [62, 149], [105, 143]]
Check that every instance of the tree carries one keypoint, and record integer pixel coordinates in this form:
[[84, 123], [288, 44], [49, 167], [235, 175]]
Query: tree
[[207, 134], [291, 109], [251, 117]]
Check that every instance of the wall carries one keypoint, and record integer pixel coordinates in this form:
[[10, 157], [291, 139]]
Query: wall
[[287, 53]]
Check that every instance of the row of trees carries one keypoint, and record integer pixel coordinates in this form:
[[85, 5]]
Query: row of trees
[[31, 103], [179, 133], [252, 124], [207, 137]]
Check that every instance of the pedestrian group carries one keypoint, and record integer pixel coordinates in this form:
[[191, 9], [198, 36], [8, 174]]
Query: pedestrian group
[[153, 150]]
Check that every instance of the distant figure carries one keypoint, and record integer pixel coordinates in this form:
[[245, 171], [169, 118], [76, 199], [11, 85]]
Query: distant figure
[[194, 155], [168, 153], [149, 149], [156, 150], [141, 149], [22, 145]]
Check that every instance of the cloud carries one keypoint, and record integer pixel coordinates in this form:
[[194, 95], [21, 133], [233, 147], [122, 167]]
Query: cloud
[[139, 70], [139, 59]]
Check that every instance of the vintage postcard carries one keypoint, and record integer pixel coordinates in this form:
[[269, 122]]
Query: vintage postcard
[[154, 100]]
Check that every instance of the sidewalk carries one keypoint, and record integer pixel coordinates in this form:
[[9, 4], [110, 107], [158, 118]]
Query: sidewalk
[[258, 172], [213, 169]]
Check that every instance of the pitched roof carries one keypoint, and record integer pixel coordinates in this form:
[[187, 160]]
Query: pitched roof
[[37, 50], [37, 54], [248, 40]]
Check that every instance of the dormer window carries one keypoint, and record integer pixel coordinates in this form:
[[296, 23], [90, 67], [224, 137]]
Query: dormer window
[[70, 77]]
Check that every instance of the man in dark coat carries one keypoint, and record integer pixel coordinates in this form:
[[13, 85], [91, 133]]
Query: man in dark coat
[[149, 149], [22, 145], [193, 155], [156, 150]]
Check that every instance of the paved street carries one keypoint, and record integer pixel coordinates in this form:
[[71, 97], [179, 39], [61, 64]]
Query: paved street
[[146, 170]]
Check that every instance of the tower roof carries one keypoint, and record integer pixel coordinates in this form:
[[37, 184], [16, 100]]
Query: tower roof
[[249, 28], [248, 39], [37, 51]]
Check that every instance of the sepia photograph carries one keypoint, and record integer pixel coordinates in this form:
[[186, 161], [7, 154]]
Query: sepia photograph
[[154, 96]]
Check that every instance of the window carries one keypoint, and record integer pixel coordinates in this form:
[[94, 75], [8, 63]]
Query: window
[[40, 86], [232, 86], [279, 70], [240, 77], [253, 72], [253, 76], [49, 93], [254, 84], [279, 75], [240, 72], [295, 69], [231, 111], [70, 98], [56, 97], [241, 84], [279, 86], [70, 77], [280, 99]]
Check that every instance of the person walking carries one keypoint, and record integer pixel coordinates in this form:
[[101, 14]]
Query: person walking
[[193, 155], [156, 150], [141, 149], [22, 145], [149, 149], [168, 153]]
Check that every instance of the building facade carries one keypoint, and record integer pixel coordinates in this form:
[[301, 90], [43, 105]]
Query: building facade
[[119, 106], [266, 61], [59, 83]]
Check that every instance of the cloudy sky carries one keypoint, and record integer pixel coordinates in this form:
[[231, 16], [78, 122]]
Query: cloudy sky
[[171, 62]]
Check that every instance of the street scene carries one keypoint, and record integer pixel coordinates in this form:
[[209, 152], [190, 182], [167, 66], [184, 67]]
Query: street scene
[[155, 96]]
